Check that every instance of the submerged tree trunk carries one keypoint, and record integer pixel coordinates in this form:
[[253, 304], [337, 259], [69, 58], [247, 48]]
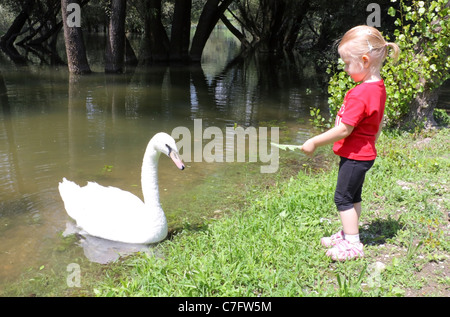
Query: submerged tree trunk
[[181, 29], [115, 44], [130, 56], [239, 35], [155, 46], [212, 11], [73, 38], [4, 103]]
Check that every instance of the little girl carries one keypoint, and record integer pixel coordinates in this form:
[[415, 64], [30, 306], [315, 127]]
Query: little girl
[[358, 125]]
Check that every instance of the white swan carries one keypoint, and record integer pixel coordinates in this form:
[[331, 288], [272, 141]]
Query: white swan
[[114, 214]]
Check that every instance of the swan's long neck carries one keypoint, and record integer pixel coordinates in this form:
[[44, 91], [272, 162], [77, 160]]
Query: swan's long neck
[[149, 179]]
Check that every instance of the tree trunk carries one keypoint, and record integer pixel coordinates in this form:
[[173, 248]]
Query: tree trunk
[[4, 103], [294, 26], [10, 36], [73, 38], [181, 29], [130, 56], [212, 11], [273, 39], [115, 44], [239, 35], [155, 46], [421, 110]]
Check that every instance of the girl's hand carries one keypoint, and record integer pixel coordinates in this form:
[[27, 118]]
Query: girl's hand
[[334, 134], [309, 147]]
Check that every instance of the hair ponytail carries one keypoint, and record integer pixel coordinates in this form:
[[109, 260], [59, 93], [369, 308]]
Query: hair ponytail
[[395, 50]]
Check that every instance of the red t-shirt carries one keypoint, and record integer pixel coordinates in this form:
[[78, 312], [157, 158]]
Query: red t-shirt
[[363, 108]]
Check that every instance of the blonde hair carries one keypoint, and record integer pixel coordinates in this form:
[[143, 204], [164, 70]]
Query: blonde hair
[[367, 40]]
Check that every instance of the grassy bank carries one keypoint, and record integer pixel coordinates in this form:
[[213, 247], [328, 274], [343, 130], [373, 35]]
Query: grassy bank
[[272, 248]]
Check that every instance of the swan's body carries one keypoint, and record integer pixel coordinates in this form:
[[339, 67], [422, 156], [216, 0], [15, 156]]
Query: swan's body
[[114, 214]]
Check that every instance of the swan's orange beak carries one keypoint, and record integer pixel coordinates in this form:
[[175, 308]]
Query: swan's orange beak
[[176, 159]]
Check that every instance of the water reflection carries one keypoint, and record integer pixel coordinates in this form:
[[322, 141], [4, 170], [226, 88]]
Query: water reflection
[[103, 251]]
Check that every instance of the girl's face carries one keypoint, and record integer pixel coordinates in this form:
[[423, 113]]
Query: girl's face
[[357, 70]]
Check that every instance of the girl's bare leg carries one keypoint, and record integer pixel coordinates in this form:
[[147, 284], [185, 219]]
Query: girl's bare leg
[[350, 219]]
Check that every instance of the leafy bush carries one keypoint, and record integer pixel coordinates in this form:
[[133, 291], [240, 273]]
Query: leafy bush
[[422, 34]]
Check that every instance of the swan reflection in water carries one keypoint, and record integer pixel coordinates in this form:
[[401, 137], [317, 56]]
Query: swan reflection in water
[[105, 251]]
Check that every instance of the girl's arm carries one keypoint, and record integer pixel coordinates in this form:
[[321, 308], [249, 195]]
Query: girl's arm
[[334, 134]]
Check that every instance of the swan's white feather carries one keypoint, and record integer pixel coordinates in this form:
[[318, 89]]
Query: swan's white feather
[[111, 213], [115, 214]]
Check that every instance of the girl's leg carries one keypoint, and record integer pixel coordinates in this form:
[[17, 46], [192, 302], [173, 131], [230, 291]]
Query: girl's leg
[[350, 247], [349, 227], [348, 202], [348, 193], [350, 220]]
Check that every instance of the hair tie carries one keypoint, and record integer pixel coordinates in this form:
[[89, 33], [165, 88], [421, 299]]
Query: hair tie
[[370, 46]]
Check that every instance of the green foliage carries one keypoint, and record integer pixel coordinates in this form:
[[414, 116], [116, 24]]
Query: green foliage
[[107, 168], [422, 34], [317, 119], [348, 286], [441, 117]]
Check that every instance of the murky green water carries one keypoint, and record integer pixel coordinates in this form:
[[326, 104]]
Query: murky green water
[[96, 128]]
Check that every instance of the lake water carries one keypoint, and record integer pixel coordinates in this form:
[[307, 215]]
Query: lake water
[[96, 128]]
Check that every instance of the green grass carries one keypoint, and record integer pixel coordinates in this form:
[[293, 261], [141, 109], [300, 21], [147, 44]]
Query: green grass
[[272, 246]]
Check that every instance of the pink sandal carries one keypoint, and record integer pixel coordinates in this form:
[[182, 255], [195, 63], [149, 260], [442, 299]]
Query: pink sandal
[[333, 240], [346, 251]]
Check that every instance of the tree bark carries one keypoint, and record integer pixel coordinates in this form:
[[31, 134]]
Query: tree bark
[[422, 108], [4, 103], [130, 56], [73, 38], [155, 47], [181, 29], [212, 11], [240, 36], [115, 45]]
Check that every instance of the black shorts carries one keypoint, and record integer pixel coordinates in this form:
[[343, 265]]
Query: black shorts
[[350, 181]]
